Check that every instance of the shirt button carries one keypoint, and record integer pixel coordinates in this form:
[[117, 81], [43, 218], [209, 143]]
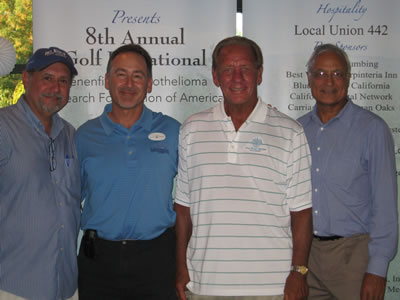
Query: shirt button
[[317, 169], [322, 128], [315, 232], [130, 152], [315, 190], [316, 212], [318, 148], [123, 242]]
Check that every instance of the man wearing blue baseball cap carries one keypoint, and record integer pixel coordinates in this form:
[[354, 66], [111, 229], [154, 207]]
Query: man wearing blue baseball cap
[[40, 185]]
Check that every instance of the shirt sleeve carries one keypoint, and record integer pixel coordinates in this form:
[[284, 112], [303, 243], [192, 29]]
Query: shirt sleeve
[[383, 182], [5, 149], [182, 186], [299, 174]]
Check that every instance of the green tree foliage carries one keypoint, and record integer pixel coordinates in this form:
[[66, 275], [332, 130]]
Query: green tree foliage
[[15, 26]]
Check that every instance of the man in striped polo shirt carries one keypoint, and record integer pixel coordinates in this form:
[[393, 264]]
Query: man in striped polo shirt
[[243, 197]]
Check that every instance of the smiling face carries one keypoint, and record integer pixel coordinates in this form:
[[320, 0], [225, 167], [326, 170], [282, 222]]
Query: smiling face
[[47, 91], [329, 80], [128, 81], [237, 76]]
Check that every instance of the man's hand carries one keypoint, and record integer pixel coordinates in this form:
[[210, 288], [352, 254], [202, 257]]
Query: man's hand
[[373, 287], [296, 287], [182, 279]]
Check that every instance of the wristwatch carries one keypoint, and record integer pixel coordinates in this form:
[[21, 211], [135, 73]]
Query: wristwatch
[[303, 270]]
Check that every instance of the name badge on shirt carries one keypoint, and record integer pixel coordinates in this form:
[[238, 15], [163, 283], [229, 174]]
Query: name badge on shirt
[[157, 136]]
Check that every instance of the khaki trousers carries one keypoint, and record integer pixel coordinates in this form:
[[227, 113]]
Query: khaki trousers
[[337, 268], [191, 296]]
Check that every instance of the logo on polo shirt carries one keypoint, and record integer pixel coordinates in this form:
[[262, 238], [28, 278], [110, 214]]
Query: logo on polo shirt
[[159, 146], [256, 144]]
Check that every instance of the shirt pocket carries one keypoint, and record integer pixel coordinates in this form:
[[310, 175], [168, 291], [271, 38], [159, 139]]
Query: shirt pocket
[[343, 172], [71, 175]]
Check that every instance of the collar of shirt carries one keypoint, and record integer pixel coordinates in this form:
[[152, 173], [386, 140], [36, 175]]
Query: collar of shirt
[[345, 115], [145, 120], [258, 114], [56, 126]]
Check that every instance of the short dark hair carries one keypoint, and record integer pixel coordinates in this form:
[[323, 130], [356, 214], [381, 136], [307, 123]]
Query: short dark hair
[[328, 48], [134, 48], [238, 40]]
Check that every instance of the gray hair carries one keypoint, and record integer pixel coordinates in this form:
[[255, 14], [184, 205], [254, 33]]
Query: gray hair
[[328, 48]]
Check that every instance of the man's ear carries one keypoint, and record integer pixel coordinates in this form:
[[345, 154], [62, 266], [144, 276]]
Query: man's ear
[[106, 78], [25, 78], [259, 75], [309, 79], [150, 85], [348, 76], [215, 77]]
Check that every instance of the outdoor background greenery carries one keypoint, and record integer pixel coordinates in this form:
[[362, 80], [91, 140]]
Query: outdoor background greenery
[[15, 26]]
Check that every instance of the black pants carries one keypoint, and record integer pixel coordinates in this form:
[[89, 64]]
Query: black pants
[[129, 270]]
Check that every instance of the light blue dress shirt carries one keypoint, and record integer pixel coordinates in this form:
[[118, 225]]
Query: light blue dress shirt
[[39, 208], [128, 175], [354, 180]]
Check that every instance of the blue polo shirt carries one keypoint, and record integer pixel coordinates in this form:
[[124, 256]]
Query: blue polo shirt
[[128, 175]]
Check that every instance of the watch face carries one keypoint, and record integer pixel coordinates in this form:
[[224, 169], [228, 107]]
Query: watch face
[[301, 269]]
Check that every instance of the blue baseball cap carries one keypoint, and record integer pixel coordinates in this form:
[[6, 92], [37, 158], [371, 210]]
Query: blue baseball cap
[[44, 57]]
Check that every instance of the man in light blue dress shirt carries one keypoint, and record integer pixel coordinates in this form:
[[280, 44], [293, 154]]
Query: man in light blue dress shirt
[[354, 186], [39, 186]]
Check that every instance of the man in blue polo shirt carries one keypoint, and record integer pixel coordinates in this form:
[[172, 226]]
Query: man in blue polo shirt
[[128, 159]]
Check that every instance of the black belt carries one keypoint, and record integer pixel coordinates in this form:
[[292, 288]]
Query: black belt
[[90, 241], [328, 238]]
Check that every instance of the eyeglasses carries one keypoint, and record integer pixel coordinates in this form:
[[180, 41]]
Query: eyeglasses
[[322, 75], [52, 155]]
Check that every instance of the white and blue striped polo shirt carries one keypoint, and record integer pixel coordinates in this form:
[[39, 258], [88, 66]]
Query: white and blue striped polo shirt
[[241, 187]]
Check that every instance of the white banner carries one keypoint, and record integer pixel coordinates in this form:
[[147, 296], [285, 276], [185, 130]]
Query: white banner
[[179, 35], [368, 30]]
